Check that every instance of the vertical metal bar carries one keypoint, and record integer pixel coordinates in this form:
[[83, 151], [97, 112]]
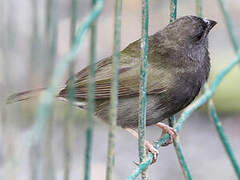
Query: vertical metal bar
[[67, 143], [199, 8], [173, 10], [49, 171], [51, 36], [143, 86], [6, 137], [172, 121], [226, 144], [179, 152], [74, 9], [4, 69], [67, 138], [91, 99], [35, 150], [199, 11], [69, 116], [114, 89], [34, 43], [173, 16], [230, 28]]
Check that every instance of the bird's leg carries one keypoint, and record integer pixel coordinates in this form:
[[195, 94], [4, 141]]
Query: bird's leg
[[167, 129], [149, 146]]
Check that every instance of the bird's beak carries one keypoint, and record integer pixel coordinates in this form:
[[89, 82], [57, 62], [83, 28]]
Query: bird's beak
[[210, 23]]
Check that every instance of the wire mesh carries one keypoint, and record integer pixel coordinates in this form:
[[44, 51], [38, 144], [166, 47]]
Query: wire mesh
[[91, 99], [44, 108], [203, 99], [47, 96], [114, 89], [143, 86], [187, 112], [172, 120], [211, 107]]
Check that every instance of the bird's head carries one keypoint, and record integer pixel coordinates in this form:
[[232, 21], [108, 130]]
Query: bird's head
[[190, 30]]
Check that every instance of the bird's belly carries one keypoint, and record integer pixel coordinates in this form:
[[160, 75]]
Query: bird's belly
[[128, 111], [159, 107]]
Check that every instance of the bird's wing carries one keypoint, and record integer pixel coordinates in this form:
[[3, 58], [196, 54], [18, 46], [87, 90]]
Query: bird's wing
[[128, 77]]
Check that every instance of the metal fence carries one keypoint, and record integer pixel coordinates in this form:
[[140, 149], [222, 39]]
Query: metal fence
[[89, 23]]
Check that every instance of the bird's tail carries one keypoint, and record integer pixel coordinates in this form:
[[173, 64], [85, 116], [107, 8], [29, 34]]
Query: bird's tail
[[24, 95]]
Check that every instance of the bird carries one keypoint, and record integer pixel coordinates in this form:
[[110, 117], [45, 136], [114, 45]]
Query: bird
[[178, 67]]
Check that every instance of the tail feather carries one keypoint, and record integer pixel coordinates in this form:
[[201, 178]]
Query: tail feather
[[24, 95]]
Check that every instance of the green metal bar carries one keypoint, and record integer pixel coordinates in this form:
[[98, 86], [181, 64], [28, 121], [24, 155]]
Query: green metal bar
[[173, 10], [199, 8], [34, 43], [91, 99], [6, 137], [34, 151], [48, 95], [173, 16], [49, 170], [67, 141], [74, 8], [179, 152], [224, 139], [187, 112], [143, 86], [182, 161], [230, 28], [52, 41], [51, 35], [172, 121], [114, 89], [70, 115]]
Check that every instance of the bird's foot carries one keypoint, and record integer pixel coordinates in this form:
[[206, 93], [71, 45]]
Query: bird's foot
[[150, 148], [167, 129]]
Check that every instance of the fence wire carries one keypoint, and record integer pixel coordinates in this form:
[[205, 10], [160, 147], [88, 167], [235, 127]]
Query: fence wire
[[208, 93], [91, 99], [172, 120], [114, 89], [143, 86], [47, 96], [46, 99], [187, 112]]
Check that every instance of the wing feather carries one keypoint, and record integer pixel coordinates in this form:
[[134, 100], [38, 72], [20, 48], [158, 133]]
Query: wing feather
[[128, 77]]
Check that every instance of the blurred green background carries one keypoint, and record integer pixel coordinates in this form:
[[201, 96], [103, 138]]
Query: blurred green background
[[28, 27]]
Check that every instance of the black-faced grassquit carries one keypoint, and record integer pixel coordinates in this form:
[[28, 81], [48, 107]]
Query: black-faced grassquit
[[178, 66]]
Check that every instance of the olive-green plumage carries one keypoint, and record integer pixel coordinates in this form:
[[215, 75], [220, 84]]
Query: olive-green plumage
[[178, 66]]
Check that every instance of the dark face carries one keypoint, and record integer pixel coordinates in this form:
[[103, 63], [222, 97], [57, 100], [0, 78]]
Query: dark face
[[190, 30]]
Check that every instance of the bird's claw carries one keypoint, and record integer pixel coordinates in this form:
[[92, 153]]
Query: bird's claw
[[153, 150], [150, 148], [171, 131]]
